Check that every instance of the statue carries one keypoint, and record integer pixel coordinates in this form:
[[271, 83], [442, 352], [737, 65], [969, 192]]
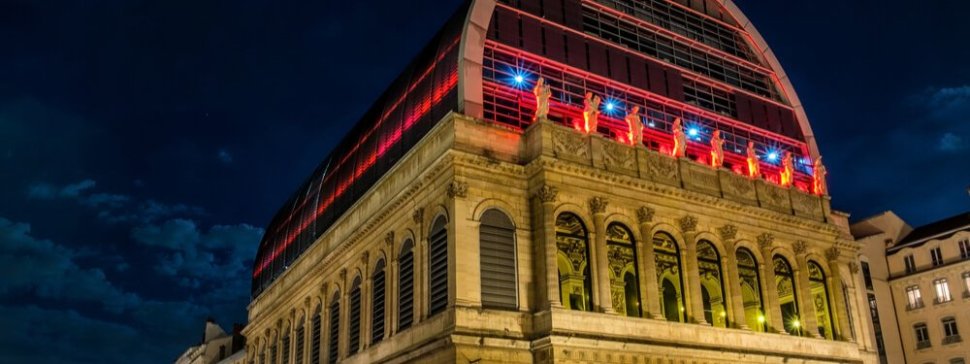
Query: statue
[[635, 127], [591, 112], [753, 170], [717, 150], [820, 186], [680, 140], [787, 170], [542, 92]]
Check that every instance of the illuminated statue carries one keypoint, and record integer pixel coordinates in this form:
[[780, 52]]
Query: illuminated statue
[[787, 170], [717, 150], [591, 112], [753, 170], [680, 140], [821, 187], [542, 92], [635, 136]]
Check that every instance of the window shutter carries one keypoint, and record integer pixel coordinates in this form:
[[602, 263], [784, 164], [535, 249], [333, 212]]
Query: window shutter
[[300, 336], [353, 339], [315, 338], [497, 244], [334, 330], [377, 300], [438, 267], [405, 306]]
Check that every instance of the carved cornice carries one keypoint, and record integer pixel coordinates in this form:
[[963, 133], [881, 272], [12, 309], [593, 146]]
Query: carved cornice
[[799, 247], [547, 194], [728, 232], [645, 214], [833, 253], [458, 189], [418, 215], [766, 240], [688, 223], [597, 205]]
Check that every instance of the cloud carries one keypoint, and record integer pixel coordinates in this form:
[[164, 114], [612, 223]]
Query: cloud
[[47, 270], [47, 191], [951, 142], [224, 156], [112, 208]]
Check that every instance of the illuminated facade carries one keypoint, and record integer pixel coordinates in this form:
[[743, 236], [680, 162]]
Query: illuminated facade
[[478, 214], [918, 287]]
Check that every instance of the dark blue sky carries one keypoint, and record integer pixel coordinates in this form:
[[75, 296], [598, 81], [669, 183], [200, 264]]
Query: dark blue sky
[[145, 144]]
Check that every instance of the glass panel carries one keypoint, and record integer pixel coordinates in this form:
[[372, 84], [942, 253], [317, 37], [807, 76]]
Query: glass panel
[[787, 295], [751, 297], [624, 277], [669, 276], [575, 283], [712, 284], [820, 298]]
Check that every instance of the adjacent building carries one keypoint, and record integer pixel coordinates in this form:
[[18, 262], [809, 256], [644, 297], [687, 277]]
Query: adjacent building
[[569, 181], [918, 287], [216, 346]]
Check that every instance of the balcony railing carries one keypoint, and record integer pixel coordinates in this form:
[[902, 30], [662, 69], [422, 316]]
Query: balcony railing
[[952, 339], [914, 305], [923, 344]]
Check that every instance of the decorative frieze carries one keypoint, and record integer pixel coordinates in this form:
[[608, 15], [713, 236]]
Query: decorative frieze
[[569, 145], [660, 168]]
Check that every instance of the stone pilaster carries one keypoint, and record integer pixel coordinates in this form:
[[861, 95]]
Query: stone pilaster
[[597, 206], [365, 301], [806, 309], [548, 270], [695, 306], [773, 306], [648, 265], [728, 235], [837, 296], [420, 261]]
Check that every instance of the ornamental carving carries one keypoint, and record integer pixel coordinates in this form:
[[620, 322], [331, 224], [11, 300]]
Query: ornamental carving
[[662, 167], [598, 204], [799, 247], [457, 189], [618, 156], [547, 193], [418, 215], [389, 238], [645, 214], [832, 253], [364, 257], [688, 223], [566, 143], [342, 274], [765, 240], [853, 267], [575, 250], [728, 232], [620, 258]]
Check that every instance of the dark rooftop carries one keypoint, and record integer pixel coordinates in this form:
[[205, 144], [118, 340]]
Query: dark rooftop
[[938, 229]]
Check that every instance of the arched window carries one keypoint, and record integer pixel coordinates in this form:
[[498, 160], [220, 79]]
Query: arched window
[[624, 277], [377, 303], [353, 331], [712, 284], [285, 343], [787, 295], [405, 284], [497, 254], [272, 352], [438, 266], [334, 339], [575, 283], [316, 335], [820, 298], [669, 276], [300, 343], [751, 297]]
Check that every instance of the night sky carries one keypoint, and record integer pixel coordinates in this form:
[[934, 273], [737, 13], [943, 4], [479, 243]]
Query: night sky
[[144, 145]]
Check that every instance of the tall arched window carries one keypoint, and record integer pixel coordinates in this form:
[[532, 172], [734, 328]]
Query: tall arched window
[[405, 284], [670, 276], [300, 343], [624, 279], [820, 298], [334, 339], [787, 295], [377, 303], [497, 254], [712, 284], [273, 352], [438, 266], [285, 344], [575, 283], [353, 330], [751, 298], [316, 335]]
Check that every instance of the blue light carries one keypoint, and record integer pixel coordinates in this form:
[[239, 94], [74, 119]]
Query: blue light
[[772, 156], [609, 106], [519, 79], [692, 132]]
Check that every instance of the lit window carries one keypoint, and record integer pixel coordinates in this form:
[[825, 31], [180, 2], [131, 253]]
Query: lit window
[[937, 256], [910, 263], [950, 332], [913, 297], [942, 290], [922, 336], [966, 284], [965, 249]]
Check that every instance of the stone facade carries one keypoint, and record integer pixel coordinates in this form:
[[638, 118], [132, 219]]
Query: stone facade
[[465, 167]]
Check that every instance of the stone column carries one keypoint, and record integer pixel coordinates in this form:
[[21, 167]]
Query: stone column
[[390, 286], [733, 280], [597, 205], [807, 314], [772, 307], [420, 257], [695, 304], [324, 331], [856, 284], [464, 250], [548, 267], [365, 299], [344, 316], [648, 266], [837, 296]]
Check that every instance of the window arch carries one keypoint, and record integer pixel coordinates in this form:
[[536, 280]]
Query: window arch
[[751, 294], [316, 335], [378, 294], [300, 342], [624, 276], [405, 284], [712, 284], [670, 276], [334, 339], [498, 263], [438, 266], [575, 283], [787, 295], [285, 350], [353, 330], [273, 350], [820, 299]]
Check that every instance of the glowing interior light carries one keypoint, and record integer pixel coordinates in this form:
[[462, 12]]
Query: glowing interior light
[[651, 124], [609, 106], [692, 132], [519, 79], [772, 156], [796, 324], [761, 319]]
